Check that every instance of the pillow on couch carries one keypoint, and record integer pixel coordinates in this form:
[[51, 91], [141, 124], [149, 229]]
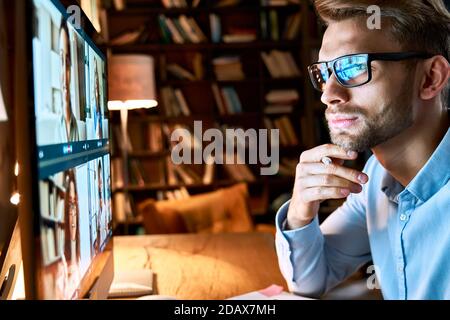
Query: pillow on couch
[[223, 210]]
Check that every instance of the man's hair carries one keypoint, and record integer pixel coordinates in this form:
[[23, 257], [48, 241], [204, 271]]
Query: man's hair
[[417, 25]]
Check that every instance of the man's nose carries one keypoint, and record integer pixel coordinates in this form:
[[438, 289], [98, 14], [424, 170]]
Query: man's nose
[[334, 93]]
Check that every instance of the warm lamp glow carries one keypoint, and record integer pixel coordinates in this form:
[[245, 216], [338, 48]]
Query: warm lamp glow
[[132, 104], [131, 82]]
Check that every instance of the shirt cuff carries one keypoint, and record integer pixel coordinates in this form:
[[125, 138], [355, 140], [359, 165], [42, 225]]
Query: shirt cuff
[[300, 237]]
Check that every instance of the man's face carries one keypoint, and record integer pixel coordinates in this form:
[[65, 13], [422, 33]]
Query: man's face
[[364, 117], [65, 70]]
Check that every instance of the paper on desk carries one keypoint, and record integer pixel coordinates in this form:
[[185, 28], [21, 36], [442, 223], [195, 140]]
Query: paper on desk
[[3, 115], [273, 292]]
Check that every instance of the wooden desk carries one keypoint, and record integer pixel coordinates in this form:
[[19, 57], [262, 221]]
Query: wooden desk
[[202, 266]]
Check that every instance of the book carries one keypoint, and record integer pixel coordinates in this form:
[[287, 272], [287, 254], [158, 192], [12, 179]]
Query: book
[[127, 284], [274, 31], [220, 102], [199, 33], [197, 64], [264, 25], [236, 38], [274, 109], [287, 124], [175, 34], [127, 37], [282, 96], [154, 137], [180, 72], [190, 32], [216, 29], [182, 102], [292, 27], [164, 30]]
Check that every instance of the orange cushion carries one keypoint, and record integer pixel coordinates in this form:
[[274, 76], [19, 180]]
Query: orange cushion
[[223, 210]]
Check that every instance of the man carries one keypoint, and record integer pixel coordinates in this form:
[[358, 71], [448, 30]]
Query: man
[[68, 126], [393, 101]]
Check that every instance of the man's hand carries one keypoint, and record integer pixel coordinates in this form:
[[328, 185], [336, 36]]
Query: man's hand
[[315, 182]]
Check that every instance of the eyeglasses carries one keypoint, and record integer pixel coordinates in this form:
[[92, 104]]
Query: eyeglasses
[[354, 70]]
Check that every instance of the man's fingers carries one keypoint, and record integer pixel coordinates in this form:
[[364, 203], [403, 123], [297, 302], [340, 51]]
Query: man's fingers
[[323, 180], [327, 150], [356, 176], [323, 193]]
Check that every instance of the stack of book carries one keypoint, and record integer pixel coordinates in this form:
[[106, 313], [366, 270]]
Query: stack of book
[[227, 100], [179, 72], [228, 68], [174, 102], [239, 35], [189, 174], [288, 137], [180, 30], [269, 25], [281, 101], [177, 194], [292, 26], [282, 97], [195, 70], [280, 64]]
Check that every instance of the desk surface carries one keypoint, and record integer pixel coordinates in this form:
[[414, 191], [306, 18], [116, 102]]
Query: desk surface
[[202, 266]]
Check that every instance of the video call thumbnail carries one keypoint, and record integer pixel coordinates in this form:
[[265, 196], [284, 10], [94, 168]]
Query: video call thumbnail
[[70, 91], [74, 228]]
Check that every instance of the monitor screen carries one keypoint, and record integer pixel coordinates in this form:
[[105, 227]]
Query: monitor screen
[[72, 144]]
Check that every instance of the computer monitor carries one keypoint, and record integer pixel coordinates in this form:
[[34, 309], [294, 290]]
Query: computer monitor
[[63, 151]]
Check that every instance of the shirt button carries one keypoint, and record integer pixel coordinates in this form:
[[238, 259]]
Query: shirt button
[[403, 217], [399, 268]]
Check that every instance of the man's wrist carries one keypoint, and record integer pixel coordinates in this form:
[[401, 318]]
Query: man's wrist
[[290, 225]]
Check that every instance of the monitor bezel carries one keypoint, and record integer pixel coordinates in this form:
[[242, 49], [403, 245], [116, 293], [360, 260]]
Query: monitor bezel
[[101, 267]]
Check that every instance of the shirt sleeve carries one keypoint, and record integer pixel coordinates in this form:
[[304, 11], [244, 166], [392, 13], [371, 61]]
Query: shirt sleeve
[[314, 259]]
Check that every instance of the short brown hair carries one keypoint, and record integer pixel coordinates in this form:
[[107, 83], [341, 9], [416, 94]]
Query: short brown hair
[[416, 24]]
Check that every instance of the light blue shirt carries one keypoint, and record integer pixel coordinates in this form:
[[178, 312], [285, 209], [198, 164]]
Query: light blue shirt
[[405, 231]]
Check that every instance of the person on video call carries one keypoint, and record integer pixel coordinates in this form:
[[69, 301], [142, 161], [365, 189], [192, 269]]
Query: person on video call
[[68, 127], [97, 113], [98, 239], [71, 256], [392, 101]]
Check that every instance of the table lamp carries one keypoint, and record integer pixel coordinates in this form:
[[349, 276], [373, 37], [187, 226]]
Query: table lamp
[[131, 86]]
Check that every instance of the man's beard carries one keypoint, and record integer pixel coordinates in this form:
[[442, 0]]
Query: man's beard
[[393, 118]]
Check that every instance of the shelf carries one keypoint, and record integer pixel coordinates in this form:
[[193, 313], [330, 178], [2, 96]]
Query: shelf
[[208, 82], [222, 183], [257, 45], [142, 11]]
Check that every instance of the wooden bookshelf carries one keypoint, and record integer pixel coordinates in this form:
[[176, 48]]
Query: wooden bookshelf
[[258, 81]]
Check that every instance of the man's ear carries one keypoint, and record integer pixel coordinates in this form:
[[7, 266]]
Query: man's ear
[[435, 79]]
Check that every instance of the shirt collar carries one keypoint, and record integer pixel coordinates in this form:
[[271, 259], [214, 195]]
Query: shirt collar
[[429, 180]]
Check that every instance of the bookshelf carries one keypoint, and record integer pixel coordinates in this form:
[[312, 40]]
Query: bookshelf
[[246, 69]]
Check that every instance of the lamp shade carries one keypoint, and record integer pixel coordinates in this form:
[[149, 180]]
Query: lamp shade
[[131, 82]]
